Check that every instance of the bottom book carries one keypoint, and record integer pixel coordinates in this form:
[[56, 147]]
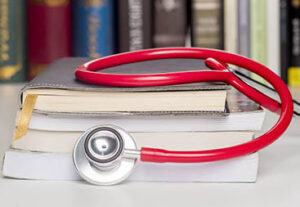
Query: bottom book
[[59, 166]]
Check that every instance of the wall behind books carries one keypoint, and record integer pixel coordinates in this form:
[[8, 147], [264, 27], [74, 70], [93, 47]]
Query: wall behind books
[[34, 33]]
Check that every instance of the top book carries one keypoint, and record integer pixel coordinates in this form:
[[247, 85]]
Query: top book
[[58, 90]]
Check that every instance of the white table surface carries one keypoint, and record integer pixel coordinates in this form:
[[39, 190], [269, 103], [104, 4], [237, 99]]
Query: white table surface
[[278, 182]]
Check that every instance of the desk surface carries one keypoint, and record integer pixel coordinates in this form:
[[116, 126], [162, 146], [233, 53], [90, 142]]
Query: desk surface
[[278, 182]]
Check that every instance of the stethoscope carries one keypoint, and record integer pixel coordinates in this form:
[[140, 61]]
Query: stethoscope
[[107, 154]]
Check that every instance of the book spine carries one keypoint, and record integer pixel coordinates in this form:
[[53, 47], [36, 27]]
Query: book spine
[[244, 28], [273, 40], [12, 41], [49, 33], [231, 26], [93, 28], [207, 23], [284, 39], [134, 25], [294, 22], [170, 23], [258, 32]]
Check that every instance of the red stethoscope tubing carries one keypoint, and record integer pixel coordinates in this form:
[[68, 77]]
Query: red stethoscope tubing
[[216, 60]]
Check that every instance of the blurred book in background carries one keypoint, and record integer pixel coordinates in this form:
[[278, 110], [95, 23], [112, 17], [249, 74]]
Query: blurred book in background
[[49, 33], [12, 44], [284, 38], [258, 33], [134, 25], [273, 38], [244, 28], [207, 24], [294, 37], [93, 28], [170, 23], [230, 26]]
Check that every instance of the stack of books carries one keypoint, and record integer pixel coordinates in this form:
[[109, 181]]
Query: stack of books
[[55, 109]]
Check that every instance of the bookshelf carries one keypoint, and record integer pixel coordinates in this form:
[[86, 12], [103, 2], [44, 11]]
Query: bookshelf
[[37, 32]]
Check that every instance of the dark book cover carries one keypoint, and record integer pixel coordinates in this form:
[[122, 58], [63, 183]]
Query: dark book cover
[[207, 23], [134, 25], [294, 37], [61, 75], [284, 39], [12, 41], [49, 33], [170, 23], [93, 27]]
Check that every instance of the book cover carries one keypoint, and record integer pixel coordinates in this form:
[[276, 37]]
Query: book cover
[[170, 23], [258, 33], [273, 40], [67, 80], [134, 25], [93, 28], [207, 23], [294, 36], [49, 33], [12, 41], [231, 26], [244, 28], [284, 39]]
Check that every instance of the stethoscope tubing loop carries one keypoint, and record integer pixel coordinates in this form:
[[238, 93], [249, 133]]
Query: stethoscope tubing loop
[[219, 60]]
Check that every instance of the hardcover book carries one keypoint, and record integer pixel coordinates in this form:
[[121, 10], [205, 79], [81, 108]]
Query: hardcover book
[[12, 41], [294, 22], [207, 24], [273, 35], [49, 33], [134, 25], [244, 28], [231, 26], [258, 33], [284, 39], [170, 23], [93, 28]]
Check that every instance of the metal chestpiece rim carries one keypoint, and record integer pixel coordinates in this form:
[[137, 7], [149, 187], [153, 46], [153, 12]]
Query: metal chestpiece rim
[[98, 155]]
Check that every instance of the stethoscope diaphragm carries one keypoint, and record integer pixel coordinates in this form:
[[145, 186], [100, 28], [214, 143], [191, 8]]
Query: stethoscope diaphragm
[[101, 155]]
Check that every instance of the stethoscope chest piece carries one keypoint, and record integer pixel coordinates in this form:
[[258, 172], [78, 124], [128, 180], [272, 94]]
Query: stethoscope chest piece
[[99, 155]]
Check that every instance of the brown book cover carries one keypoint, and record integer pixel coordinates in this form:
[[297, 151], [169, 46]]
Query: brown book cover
[[170, 23], [207, 26]]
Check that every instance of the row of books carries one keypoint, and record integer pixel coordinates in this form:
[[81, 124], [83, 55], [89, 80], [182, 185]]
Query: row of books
[[55, 109], [264, 30]]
